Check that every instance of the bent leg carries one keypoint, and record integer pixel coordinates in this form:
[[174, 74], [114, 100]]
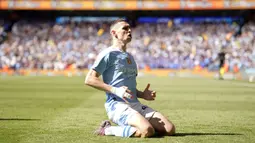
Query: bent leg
[[123, 115], [162, 125], [137, 133], [145, 129]]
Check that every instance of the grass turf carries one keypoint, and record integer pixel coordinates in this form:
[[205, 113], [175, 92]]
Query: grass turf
[[62, 109]]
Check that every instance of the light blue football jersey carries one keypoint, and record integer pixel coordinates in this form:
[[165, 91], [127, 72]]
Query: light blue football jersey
[[118, 69]]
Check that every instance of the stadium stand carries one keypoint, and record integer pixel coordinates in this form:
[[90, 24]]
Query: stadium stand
[[52, 45]]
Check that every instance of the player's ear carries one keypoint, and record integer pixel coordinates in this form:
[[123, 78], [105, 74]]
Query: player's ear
[[113, 32]]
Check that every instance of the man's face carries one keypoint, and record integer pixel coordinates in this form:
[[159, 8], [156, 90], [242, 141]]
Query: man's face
[[122, 32]]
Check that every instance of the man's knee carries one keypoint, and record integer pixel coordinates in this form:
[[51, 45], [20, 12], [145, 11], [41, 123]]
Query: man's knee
[[170, 130], [137, 133], [147, 132]]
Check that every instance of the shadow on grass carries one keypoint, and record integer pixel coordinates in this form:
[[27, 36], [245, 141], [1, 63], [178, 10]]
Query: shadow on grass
[[206, 134], [198, 134], [18, 119]]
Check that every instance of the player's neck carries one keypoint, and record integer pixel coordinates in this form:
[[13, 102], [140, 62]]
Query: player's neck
[[119, 45]]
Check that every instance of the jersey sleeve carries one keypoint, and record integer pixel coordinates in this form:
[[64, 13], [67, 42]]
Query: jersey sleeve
[[101, 63]]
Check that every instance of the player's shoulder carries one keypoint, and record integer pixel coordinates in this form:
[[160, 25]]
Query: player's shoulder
[[108, 52], [104, 53], [129, 54]]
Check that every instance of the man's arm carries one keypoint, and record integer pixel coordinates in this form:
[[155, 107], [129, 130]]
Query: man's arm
[[92, 79]]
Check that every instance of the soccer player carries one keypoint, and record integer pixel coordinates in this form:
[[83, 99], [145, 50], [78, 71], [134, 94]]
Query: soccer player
[[119, 70], [221, 57]]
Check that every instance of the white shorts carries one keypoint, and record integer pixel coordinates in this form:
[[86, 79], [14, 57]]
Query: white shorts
[[121, 112]]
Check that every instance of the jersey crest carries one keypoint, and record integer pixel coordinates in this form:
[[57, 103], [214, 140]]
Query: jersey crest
[[128, 60]]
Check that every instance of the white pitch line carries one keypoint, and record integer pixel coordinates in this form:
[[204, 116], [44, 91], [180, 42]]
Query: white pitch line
[[244, 84]]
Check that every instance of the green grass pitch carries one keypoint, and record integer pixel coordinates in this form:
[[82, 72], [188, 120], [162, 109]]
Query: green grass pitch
[[64, 110]]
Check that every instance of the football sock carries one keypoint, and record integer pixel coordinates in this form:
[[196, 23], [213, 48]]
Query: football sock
[[120, 131]]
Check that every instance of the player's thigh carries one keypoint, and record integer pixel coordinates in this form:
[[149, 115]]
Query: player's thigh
[[118, 112], [161, 124]]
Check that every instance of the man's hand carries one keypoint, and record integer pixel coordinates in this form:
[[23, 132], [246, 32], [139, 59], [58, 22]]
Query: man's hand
[[123, 92], [149, 94]]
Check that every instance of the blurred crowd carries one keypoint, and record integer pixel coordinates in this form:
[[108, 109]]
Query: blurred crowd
[[51, 46]]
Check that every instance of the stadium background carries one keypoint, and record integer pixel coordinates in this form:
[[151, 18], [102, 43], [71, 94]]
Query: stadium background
[[174, 35], [171, 40]]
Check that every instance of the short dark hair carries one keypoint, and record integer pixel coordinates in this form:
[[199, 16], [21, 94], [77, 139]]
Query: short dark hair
[[117, 21]]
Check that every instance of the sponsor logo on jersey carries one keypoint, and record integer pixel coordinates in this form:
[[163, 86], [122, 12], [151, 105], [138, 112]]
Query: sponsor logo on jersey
[[128, 71]]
